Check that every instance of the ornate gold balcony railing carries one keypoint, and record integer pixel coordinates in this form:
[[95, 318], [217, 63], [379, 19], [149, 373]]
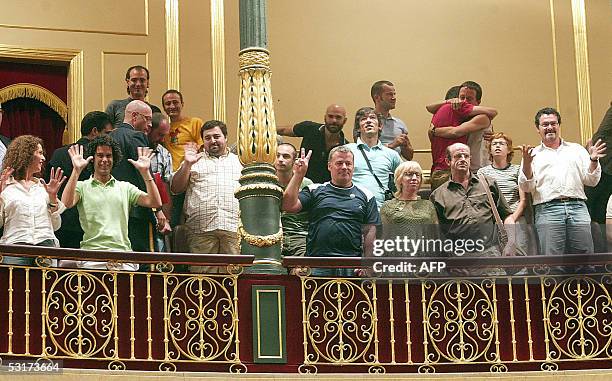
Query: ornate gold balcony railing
[[164, 319], [423, 325]]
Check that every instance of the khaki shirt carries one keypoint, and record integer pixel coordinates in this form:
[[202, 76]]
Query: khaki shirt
[[466, 213]]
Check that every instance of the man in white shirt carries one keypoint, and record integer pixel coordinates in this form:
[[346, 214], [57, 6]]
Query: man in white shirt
[[555, 173], [210, 178]]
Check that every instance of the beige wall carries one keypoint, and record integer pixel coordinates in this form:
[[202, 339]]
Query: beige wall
[[332, 51]]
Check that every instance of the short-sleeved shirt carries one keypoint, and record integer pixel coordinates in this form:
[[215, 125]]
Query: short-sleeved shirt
[[609, 208], [392, 127], [296, 223], [479, 153], [446, 116], [314, 140], [383, 160], [104, 211], [336, 219], [161, 162], [507, 180], [209, 201], [181, 132]]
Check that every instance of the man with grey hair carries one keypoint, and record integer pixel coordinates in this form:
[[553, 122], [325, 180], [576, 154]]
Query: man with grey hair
[[464, 211], [342, 216]]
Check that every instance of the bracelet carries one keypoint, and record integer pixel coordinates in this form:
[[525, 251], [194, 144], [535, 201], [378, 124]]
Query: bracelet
[[151, 179], [594, 160], [51, 205]]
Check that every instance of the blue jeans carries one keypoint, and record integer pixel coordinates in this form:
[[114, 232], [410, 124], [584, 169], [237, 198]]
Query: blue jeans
[[563, 227]]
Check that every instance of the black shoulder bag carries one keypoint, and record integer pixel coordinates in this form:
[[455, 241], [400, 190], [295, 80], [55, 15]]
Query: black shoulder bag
[[388, 192]]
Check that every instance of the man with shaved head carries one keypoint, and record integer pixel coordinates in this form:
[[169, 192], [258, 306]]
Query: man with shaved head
[[320, 139], [130, 135]]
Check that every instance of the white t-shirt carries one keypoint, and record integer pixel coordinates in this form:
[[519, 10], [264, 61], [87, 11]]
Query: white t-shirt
[[609, 208]]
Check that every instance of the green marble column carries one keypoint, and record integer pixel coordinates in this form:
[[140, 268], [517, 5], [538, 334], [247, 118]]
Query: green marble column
[[260, 193]]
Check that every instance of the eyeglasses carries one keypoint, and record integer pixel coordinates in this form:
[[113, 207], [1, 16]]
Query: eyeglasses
[[547, 124], [147, 118]]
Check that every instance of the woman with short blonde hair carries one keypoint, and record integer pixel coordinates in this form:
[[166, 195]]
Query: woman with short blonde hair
[[407, 215]]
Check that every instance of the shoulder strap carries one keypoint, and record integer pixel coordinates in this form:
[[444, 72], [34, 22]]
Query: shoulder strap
[[498, 220], [370, 167]]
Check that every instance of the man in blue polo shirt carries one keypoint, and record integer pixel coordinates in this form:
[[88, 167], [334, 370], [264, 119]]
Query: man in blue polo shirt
[[372, 173], [342, 216]]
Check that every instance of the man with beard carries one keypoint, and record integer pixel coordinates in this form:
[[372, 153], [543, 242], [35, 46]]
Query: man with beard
[[137, 82], [210, 177], [320, 139], [555, 173]]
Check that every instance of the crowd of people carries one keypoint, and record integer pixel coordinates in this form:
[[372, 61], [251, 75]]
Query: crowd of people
[[137, 177]]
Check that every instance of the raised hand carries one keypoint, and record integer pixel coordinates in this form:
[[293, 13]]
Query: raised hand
[[144, 159], [526, 151], [76, 155], [6, 174], [301, 164], [56, 180], [597, 150], [191, 153]]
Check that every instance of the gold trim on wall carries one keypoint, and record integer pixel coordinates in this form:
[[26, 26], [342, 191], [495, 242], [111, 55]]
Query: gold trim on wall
[[32, 27], [582, 70], [75, 79], [34, 91], [217, 39], [172, 44], [102, 71], [554, 47]]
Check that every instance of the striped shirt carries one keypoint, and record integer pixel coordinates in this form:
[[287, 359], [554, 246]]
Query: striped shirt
[[209, 202], [507, 180]]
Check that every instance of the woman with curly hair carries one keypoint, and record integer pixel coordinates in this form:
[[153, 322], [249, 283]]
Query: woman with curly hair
[[29, 207]]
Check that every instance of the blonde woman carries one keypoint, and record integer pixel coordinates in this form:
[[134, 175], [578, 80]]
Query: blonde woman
[[407, 215], [29, 207]]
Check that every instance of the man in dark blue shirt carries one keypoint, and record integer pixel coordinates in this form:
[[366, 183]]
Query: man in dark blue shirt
[[340, 213]]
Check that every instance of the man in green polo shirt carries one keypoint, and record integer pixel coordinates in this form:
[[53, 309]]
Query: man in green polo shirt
[[103, 202]]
